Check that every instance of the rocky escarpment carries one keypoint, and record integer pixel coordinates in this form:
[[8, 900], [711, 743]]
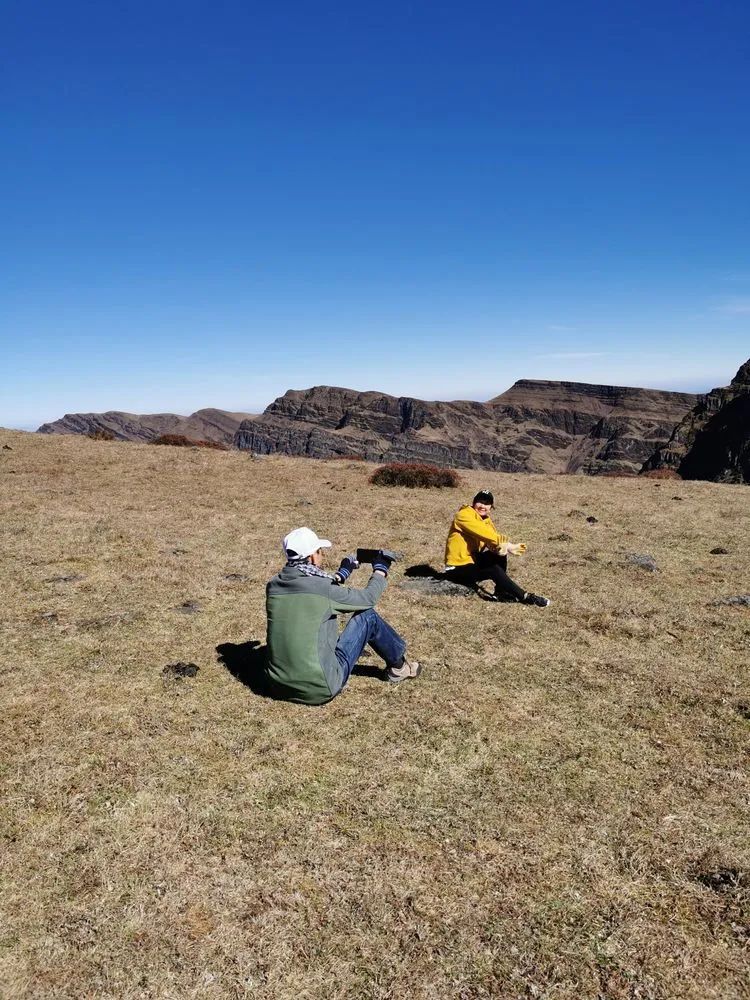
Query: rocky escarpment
[[533, 427], [713, 440], [203, 425]]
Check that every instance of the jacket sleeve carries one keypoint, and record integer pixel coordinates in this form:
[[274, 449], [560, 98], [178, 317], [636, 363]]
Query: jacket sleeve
[[348, 599], [470, 523]]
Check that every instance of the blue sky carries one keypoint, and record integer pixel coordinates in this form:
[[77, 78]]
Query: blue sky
[[207, 204]]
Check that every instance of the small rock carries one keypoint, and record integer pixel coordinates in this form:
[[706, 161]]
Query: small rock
[[7, 447], [49, 616], [180, 670], [743, 709], [236, 577], [719, 551], [188, 608], [562, 537], [576, 513], [677, 498], [592, 519], [304, 503], [643, 561], [737, 601], [179, 552], [68, 578]]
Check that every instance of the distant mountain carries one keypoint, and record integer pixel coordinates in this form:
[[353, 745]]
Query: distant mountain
[[713, 440], [203, 425], [535, 426]]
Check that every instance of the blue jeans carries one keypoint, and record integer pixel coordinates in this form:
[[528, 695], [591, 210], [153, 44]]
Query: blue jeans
[[363, 628]]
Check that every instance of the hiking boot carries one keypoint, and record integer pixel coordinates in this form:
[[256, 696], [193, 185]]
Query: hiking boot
[[408, 670], [537, 601]]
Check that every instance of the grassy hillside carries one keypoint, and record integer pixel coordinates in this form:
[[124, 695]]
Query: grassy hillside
[[557, 808]]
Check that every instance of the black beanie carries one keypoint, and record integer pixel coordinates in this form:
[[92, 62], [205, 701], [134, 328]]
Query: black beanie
[[484, 496]]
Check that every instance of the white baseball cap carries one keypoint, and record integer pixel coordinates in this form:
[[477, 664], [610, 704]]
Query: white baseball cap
[[302, 542]]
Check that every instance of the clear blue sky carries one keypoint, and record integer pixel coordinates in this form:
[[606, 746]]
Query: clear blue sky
[[204, 204]]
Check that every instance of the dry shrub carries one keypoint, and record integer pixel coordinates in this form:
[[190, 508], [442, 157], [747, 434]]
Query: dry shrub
[[661, 474], [346, 458], [180, 441], [100, 434], [414, 474]]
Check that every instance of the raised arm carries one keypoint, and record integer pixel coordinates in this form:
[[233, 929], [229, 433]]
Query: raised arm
[[348, 599]]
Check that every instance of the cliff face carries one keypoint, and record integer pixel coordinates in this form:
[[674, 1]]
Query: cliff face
[[203, 425], [533, 427], [713, 440]]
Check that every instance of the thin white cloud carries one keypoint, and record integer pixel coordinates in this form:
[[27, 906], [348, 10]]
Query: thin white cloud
[[574, 355], [735, 307], [560, 328]]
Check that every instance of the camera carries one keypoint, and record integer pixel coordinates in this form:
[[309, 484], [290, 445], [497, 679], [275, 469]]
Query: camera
[[376, 555]]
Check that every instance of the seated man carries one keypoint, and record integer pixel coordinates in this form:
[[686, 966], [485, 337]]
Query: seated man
[[308, 661], [475, 551]]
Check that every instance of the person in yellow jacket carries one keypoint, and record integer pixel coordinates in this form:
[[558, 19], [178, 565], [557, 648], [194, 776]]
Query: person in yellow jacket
[[476, 551]]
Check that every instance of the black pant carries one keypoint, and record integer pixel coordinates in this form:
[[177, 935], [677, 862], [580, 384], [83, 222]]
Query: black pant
[[487, 566]]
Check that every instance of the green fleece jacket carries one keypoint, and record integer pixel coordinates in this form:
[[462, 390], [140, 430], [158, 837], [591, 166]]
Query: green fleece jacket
[[303, 631]]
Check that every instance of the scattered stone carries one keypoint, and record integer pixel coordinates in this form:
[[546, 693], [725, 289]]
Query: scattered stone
[[436, 588], [743, 709], [722, 879], [49, 616], [67, 578], [592, 519], [304, 503], [737, 601], [180, 670], [643, 561], [576, 513], [236, 577], [719, 551], [676, 498], [562, 537], [189, 608], [7, 447], [179, 552]]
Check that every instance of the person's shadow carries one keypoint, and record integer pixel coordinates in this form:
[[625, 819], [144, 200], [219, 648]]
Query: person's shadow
[[423, 571], [245, 661]]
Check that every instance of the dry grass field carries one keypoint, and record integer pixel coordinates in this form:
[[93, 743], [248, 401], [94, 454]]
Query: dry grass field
[[558, 808]]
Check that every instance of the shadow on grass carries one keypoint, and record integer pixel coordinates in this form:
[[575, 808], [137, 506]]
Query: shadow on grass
[[245, 661], [423, 571]]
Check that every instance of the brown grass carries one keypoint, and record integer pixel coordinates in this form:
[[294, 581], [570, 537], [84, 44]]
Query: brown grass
[[557, 809]]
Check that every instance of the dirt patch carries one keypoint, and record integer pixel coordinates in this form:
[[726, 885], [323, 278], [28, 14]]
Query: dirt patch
[[180, 670], [436, 588]]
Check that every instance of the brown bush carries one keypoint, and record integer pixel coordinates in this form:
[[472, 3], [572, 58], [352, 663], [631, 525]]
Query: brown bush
[[414, 474], [180, 441], [661, 474], [100, 434]]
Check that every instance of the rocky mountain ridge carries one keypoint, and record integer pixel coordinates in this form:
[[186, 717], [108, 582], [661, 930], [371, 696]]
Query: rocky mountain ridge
[[204, 425], [713, 440], [536, 426]]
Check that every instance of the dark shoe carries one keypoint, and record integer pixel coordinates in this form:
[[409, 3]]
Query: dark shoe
[[537, 601], [408, 670]]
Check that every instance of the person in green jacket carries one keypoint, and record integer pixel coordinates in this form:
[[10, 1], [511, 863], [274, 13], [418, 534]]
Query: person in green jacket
[[307, 660]]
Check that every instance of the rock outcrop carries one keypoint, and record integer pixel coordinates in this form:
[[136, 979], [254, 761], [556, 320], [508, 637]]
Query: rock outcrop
[[713, 440], [203, 425], [533, 427]]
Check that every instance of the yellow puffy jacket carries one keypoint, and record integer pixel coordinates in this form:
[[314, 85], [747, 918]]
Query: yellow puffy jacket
[[469, 535]]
